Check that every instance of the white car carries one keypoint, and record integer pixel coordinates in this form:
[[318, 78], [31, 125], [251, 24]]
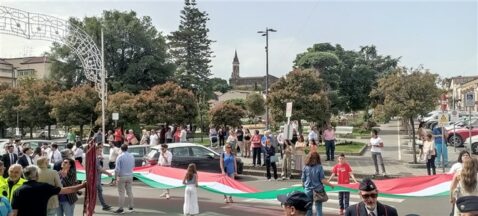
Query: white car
[[473, 148], [3, 142]]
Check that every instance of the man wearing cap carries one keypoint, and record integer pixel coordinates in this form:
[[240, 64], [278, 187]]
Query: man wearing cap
[[295, 203], [468, 205], [369, 205]]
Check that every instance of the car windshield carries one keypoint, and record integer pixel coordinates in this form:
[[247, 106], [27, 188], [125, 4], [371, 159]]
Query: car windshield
[[137, 152], [200, 151], [152, 153], [180, 152]]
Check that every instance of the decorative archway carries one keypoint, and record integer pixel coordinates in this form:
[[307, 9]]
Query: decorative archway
[[35, 26]]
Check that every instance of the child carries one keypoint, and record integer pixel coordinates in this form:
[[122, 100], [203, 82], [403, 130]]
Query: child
[[343, 172], [191, 206]]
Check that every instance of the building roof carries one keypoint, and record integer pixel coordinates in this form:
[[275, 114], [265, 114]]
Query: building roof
[[4, 62], [36, 60], [236, 59]]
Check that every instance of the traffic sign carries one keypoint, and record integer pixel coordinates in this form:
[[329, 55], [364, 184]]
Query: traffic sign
[[454, 116], [115, 116], [443, 119], [288, 110], [470, 99]]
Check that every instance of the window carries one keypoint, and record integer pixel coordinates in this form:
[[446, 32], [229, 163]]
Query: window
[[198, 151], [26, 72], [180, 152], [137, 152]]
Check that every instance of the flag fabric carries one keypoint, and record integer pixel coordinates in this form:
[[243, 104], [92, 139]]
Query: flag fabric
[[169, 178], [81, 173]]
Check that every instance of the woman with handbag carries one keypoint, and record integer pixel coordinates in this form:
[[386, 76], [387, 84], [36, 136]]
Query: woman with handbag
[[313, 180], [271, 160], [429, 151]]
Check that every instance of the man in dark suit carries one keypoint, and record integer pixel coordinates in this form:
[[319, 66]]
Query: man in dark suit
[[369, 205], [26, 160], [9, 159]]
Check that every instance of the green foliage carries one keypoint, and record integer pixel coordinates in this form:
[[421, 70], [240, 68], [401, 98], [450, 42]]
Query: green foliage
[[255, 104], [219, 85], [349, 75], [121, 103], [34, 106], [9, 101], [238, 102], [167, 103], [190, 48], [75, 106], [226, 115], [306, 92], [135, 53]]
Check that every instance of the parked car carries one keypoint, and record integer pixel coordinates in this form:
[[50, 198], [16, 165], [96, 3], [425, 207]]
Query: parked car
[[185, 153], [138, 151], [473, 147], [38, 143], [458, 136], [3, 142]]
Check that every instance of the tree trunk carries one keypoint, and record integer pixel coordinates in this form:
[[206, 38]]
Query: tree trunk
[[299, 127], [81, 132], [413, 141], [31, 132], [49, 132]]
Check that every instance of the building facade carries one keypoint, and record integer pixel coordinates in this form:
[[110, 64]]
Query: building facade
[[458, 87], [13, 68], [251, 83]]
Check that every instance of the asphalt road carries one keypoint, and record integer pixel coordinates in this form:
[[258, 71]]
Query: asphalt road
[[147, 202]]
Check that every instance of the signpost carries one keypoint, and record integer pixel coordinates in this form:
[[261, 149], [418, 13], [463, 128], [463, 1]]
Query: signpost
[[470, 103], [442, 121], [454, 118], [288, 127], [115, 117]]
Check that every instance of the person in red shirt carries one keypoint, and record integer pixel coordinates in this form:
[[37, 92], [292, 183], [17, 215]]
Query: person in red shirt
[[118, 140], [343, 171]]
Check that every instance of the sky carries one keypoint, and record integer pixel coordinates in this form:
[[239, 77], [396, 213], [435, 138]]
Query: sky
[[439, 35]]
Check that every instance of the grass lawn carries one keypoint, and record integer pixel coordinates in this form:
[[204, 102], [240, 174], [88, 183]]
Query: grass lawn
[[348, 148]]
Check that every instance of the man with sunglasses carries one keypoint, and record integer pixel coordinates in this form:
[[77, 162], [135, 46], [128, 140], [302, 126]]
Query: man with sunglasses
[[369, 205], [295, 203]]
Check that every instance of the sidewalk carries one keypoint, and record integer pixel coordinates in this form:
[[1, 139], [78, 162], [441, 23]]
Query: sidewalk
[[363, 166]]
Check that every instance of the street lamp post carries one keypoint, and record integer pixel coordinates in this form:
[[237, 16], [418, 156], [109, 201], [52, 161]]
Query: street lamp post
[[266, 34]]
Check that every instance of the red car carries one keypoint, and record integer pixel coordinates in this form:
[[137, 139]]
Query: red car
[[459, 135]]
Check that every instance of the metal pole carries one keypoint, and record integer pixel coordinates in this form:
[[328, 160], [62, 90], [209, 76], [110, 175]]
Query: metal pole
[[399, 142], [267, 77], [469, 126], [103, 89], [454, 123], [443, 148]]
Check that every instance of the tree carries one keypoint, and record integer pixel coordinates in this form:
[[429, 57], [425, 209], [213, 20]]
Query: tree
[[407, 93], [190, 48], [34, 106], [241, 103], [306, 91], [226, 115], [255, 105], [121, 103], [136, 55], [75, 106], [167, 103], [9, 102], [219, 85]]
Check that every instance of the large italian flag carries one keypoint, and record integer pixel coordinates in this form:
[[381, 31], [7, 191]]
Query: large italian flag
[[81, 173], [168, 178]]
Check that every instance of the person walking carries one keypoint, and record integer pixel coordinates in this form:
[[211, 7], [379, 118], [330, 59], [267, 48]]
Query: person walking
[[52, 178], [191, 205], [271, 160], [68, 178], [228, 166], [124, 178], [329, 138], [369, 206], [313, 180], [100, 170], [377, 144], [430, 153], [343, 171], [247, 143], [287, 160], [441, 148], [165, 159], [114, 153], [256, 148], [464, 183], [299, 153]]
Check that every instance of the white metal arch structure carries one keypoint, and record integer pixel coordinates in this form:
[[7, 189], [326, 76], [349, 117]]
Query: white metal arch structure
[[36, 26]]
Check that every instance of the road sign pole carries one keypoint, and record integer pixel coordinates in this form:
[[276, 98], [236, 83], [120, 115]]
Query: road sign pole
[[469, 126]]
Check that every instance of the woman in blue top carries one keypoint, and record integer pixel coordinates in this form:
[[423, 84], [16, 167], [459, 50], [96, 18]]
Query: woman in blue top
[[313, 179], [228, 166]]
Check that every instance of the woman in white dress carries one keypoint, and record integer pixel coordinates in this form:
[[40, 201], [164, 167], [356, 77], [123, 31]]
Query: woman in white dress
[[299, 155], [191, 206], [464, 155]]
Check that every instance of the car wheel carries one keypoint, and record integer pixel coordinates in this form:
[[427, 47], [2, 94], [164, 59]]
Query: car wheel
[[474, 148], [455, 140]]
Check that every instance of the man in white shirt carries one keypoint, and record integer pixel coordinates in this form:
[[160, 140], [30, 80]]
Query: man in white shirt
[[183, 135], [153, 138], [54, 155], [313, 135], [165, 158]]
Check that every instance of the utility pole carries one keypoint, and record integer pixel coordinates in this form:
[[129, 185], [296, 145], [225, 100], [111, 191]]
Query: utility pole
[[266, 34]]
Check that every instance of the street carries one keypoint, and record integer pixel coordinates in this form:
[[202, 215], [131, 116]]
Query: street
[[147, 202]]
